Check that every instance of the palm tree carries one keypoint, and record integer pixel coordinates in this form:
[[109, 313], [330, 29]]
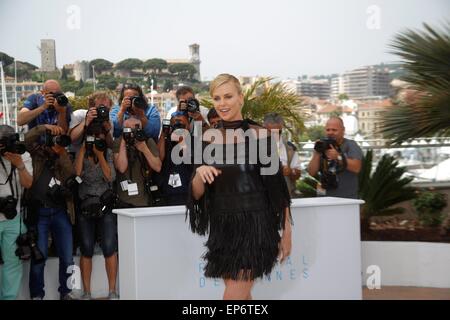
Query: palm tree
[[382, 188], [423, 107], [262, 97]]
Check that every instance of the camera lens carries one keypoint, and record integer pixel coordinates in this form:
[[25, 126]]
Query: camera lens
[[62, 140], [61, 99], [138, 102]]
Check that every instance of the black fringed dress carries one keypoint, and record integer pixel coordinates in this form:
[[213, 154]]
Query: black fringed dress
[[243, 212]]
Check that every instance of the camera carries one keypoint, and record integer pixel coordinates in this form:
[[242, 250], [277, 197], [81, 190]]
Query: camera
[[154, 192], [60, 98], [130, 135], [328, 175], [58, 192], [324, 144], [190, 105], [13, 143], [8, 207], [62, 140], [138, 102], [166, 128], [108, 200], [102, 114], [27, 247], [91, 141]]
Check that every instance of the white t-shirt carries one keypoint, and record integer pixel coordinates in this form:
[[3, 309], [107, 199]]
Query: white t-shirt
[[5, 189], [78, 117], [203, 110], [295, 161]]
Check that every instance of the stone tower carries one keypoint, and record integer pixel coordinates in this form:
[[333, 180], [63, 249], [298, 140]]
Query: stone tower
[[195, 59], [48, 55]]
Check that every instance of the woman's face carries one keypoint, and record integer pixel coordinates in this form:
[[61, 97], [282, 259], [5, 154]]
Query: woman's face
[[130, 93], [228, 102]]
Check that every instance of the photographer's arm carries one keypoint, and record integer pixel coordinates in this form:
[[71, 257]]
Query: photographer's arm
[[353, 165], [77, 131], [62, 118], [153, 161], [162, 146], [120, 158], [314, 164], [25, 178], [79, 161], [26, 115]]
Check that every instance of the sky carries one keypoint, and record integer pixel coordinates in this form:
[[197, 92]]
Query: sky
[[282, 38]]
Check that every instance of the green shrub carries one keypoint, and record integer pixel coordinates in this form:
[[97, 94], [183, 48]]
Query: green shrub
[[429, 207]]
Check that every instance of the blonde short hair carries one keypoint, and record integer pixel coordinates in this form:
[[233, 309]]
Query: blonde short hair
[[222, 79], [99, 95]]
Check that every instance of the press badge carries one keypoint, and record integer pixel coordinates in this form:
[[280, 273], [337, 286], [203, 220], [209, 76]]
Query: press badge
[[175, 180], [124, 185], [132, 189], [54, 181]]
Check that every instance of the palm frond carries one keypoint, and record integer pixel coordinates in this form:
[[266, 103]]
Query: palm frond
[[385, 187], [426, 58]]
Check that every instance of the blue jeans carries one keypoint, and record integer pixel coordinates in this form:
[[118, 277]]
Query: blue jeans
[[56, 221]]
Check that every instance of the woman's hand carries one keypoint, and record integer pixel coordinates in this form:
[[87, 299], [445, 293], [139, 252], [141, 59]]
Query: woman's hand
[[207, 173], [126, 103], [141, 146], [285, 245]]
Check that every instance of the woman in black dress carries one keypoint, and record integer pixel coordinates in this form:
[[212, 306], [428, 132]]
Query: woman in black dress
[[240, 207]]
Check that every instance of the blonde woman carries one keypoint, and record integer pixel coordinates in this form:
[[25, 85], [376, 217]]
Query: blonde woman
[[241, 208]]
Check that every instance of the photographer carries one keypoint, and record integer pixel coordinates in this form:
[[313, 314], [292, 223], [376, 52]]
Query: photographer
[[135, 157], [213, 118], [287, 151], [15, 174], [187, 103], [94, 165], [93, 121], [50, 204], [49, 107], [337, 160], [173, 180], [133, 104]]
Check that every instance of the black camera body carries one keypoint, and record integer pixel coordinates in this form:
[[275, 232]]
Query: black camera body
[[190, 105], [137, 102], [58, 192], [27, 247], [91, 141], [61, 140], [155, 193], [60, 98], [166, 127], [102, 114], [8, 207], [132, 134], [13, 143], [324, 144], [328, 168], [328, 178]]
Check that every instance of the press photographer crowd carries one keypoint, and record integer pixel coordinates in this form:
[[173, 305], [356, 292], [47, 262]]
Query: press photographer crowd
[[62, 178]]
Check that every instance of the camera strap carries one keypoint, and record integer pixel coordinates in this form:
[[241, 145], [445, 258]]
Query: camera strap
[[9, 179]]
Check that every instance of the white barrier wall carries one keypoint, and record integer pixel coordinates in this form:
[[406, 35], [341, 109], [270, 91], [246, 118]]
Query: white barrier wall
[[160, 258], [418, 264]]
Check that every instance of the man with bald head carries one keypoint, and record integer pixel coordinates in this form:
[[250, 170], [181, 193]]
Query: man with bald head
[[346, 156], [42, 108]]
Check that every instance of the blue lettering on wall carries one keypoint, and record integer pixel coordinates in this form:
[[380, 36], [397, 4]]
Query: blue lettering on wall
[[202, 282], [292, 274]]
